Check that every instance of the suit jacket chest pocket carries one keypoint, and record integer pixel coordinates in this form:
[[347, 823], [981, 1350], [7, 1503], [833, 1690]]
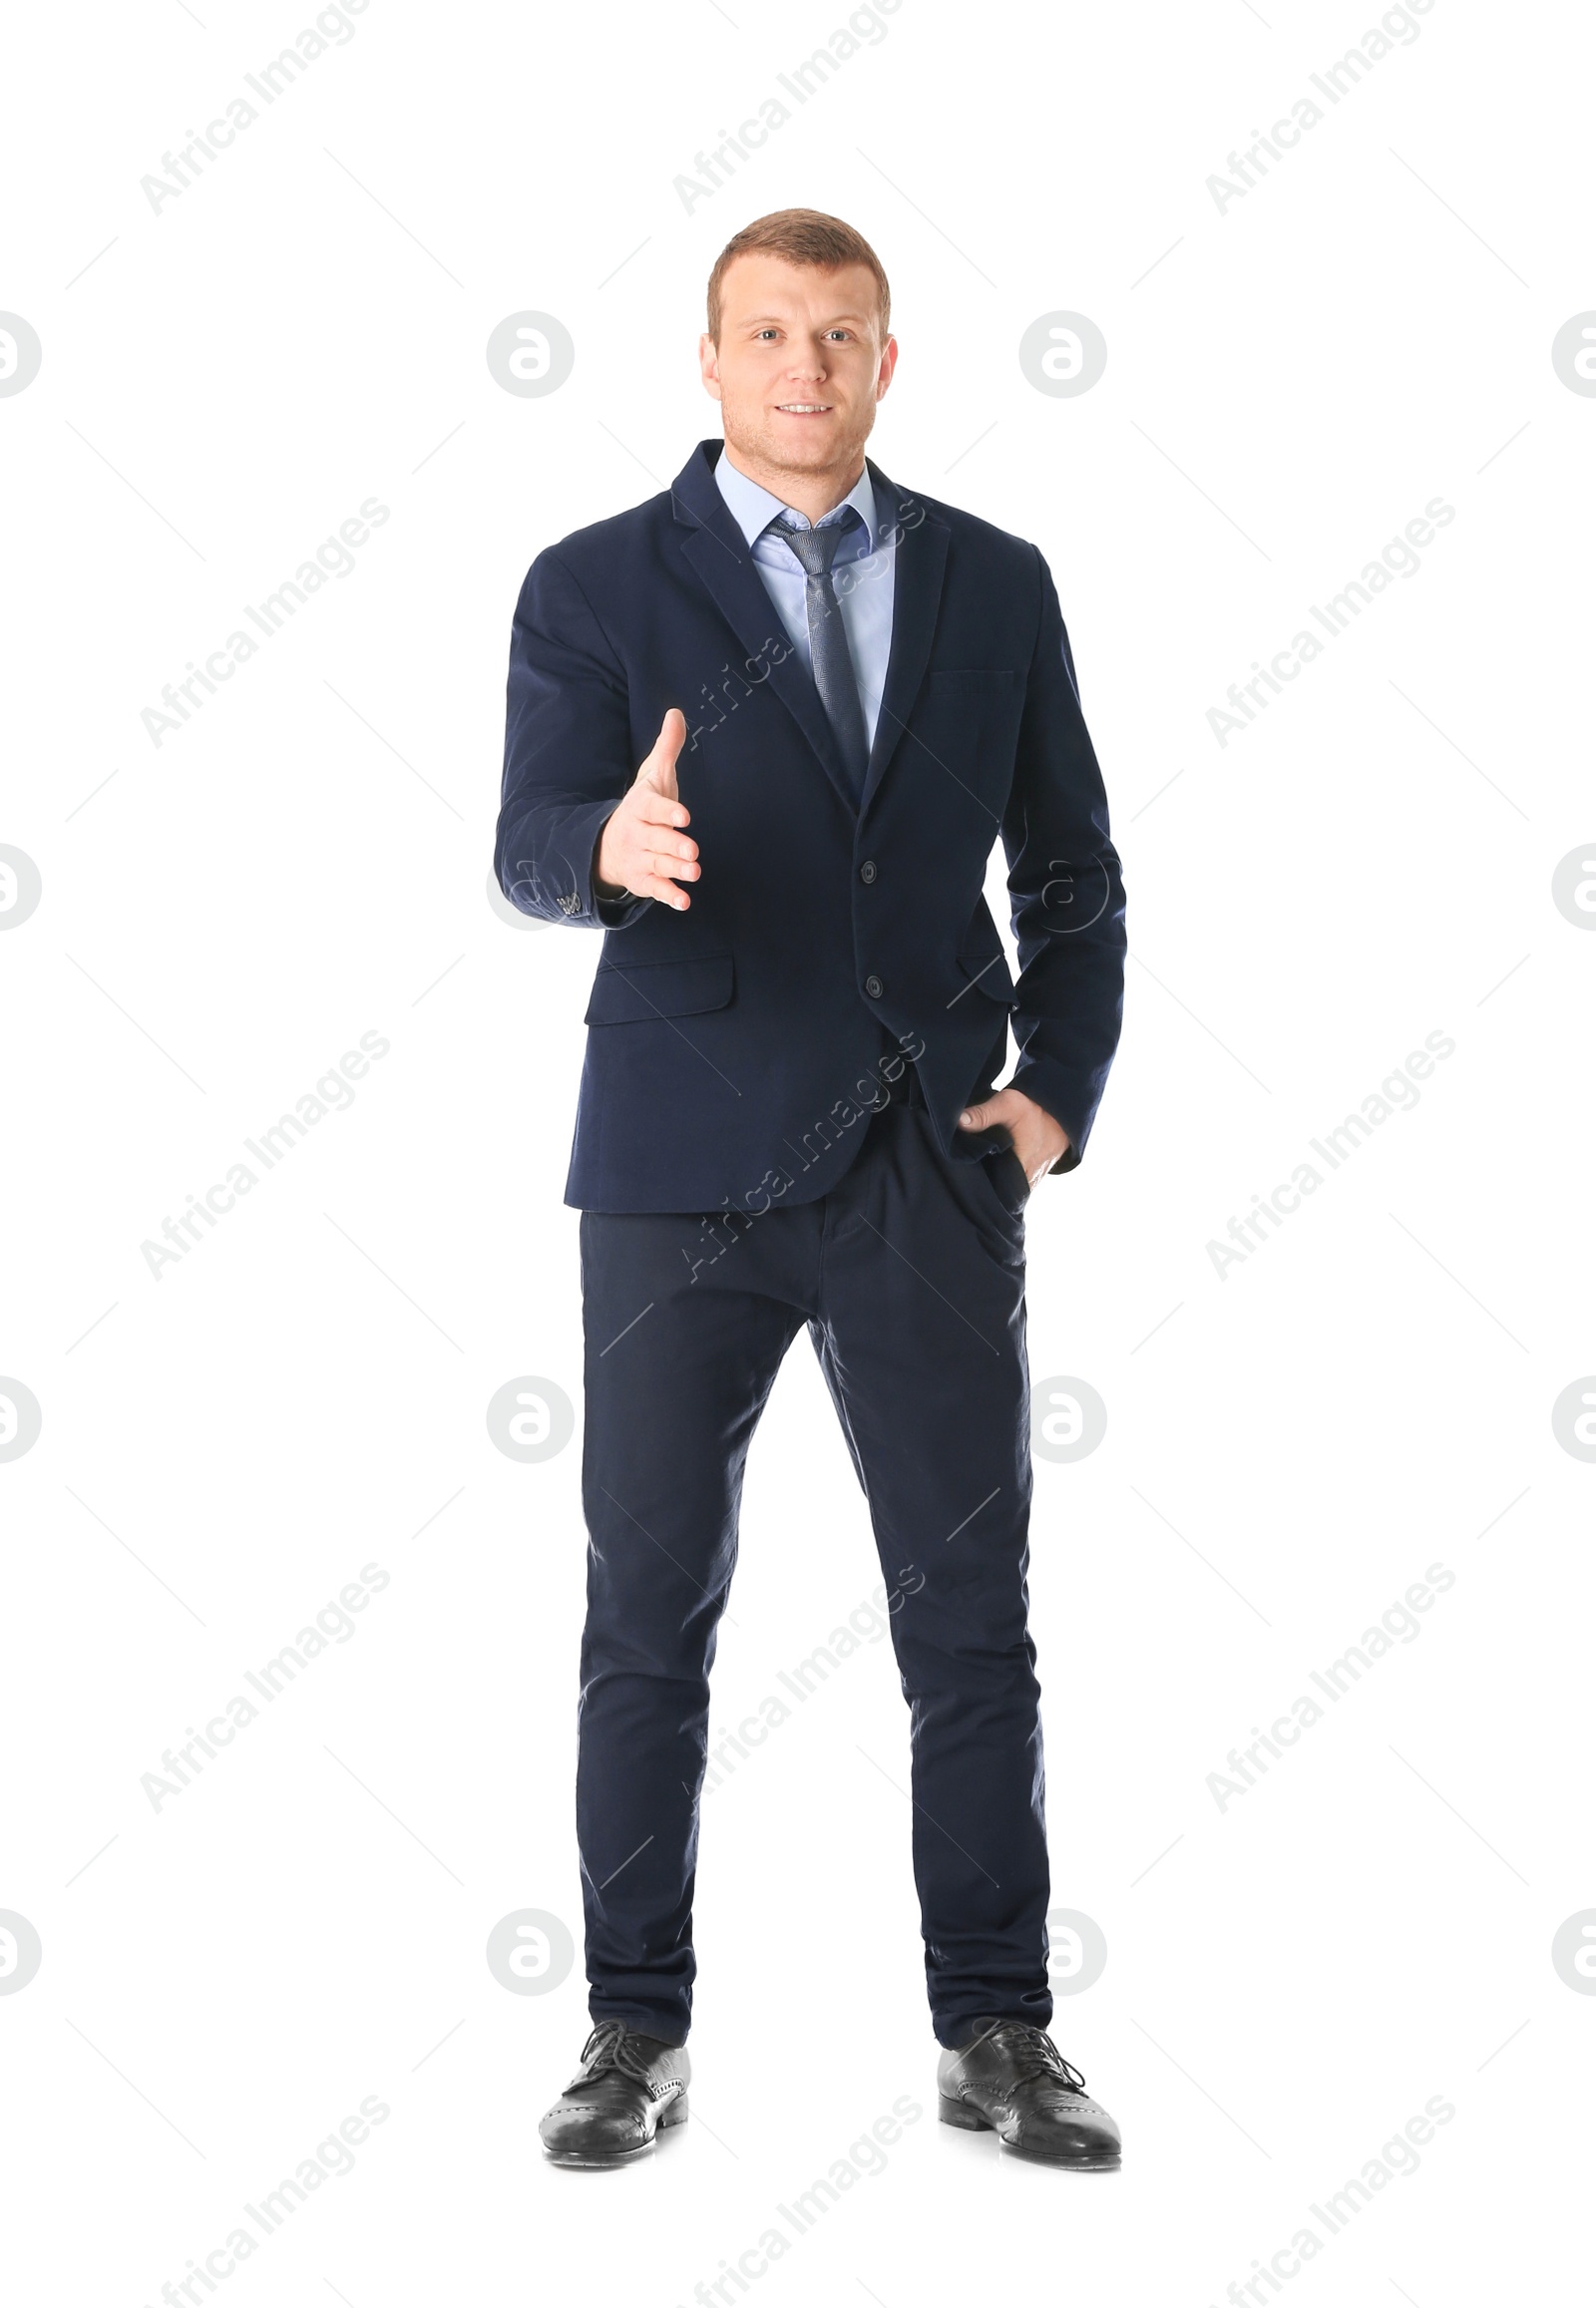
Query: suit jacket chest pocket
[[970, 713]]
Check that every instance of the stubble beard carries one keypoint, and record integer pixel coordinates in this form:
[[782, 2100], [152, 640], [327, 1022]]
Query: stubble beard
[[755, 442]]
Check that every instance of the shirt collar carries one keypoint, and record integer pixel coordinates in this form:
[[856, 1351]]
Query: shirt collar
[[754, 508]]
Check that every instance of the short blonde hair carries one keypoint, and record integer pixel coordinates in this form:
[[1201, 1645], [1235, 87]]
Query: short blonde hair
[[802, 236]]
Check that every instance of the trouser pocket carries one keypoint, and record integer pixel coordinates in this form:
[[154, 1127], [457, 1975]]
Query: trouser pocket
[[1008, 1175]]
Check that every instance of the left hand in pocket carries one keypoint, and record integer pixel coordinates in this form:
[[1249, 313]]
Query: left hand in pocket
[[1037, 1139]]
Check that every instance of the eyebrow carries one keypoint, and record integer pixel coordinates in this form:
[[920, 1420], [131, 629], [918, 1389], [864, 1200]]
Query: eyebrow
[[768, 319]]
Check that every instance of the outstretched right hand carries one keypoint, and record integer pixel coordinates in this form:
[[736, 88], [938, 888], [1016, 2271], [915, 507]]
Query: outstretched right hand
[[641, 852]]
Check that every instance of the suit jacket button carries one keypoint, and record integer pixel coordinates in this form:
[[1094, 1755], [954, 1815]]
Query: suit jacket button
[[866, 871], [874, 989]]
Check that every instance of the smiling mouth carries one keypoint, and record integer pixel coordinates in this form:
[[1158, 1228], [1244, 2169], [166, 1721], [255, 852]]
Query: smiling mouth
[[805, 408]]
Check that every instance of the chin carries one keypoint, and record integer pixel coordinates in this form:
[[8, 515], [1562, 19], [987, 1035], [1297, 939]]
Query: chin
[[800, 443]]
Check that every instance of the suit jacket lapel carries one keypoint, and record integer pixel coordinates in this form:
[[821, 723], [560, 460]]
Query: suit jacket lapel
[[915, 598], [715, 550]]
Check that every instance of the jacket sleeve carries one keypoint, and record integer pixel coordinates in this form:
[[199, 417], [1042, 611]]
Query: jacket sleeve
[[1067, 901], [567, 754]]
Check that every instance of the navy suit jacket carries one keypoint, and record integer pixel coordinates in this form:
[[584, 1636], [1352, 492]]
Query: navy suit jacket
[[735, 1051]]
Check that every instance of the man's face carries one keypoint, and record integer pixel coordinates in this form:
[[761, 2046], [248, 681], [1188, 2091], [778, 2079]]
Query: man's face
[[800, 365]]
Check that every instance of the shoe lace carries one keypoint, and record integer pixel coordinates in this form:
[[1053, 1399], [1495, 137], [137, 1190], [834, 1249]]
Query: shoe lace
[[610, 2047], [1033, 2052]]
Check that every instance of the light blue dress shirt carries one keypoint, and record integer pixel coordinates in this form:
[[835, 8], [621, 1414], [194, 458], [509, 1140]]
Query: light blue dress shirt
[[863, 575]]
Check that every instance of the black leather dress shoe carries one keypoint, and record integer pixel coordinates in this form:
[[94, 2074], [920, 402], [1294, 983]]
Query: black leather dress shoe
[[628, 2087], [1012, 2080]]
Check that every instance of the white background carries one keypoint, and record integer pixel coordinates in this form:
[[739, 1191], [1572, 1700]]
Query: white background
[[1288, 1448]]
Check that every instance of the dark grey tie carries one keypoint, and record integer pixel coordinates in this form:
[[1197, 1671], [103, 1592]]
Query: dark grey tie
[[829, 658]]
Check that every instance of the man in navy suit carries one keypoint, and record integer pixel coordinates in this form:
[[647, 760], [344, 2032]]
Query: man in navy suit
[[841, 694]]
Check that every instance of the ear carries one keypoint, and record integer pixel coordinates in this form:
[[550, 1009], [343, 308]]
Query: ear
[[709, 366], [889, 361]]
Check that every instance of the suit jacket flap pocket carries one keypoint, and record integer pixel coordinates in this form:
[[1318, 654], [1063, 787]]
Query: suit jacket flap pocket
[[991, 972], [624, 991]]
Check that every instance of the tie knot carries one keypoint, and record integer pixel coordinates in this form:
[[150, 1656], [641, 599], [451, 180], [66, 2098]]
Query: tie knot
[[817, 548]]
